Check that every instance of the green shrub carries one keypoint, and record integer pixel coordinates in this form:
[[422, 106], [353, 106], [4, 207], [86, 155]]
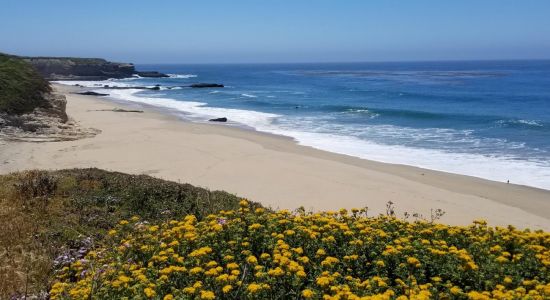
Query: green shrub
[[21, 87], [50, 217]]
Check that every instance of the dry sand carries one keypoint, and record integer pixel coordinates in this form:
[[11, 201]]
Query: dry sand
[[269, 169]]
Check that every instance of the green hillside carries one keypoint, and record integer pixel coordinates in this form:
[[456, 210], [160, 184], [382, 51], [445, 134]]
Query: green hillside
[[21, 87]]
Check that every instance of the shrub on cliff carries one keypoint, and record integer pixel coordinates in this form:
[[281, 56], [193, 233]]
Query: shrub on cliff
[[21, 86]]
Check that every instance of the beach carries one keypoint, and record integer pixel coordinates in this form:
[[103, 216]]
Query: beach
[[269, 169]]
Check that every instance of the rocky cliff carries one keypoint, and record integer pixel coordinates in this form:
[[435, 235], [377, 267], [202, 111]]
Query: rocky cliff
[[73, 68], [29, 110]]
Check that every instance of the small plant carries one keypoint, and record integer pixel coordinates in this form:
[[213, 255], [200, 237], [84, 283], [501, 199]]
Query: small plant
[[34, 185]]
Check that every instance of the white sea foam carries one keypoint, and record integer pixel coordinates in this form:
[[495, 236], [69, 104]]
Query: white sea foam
[[182, 75], [249, 96], [96, 84], [498, 168], [198, 110], [531, 173], [530, 122], [534, 123]]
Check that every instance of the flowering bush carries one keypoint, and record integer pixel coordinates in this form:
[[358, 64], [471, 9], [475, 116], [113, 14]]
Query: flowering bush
[[255, 254]]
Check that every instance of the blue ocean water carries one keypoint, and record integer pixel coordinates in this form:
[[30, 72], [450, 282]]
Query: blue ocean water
[[489, 119]]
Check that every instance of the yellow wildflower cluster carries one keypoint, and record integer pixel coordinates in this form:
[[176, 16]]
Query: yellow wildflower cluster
[[257, 254]]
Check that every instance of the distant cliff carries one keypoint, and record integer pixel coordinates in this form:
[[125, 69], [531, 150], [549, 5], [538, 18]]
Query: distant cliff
[[73, 68]]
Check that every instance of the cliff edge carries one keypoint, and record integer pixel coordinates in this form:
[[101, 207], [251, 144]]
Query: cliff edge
[[29, 109], [74, 68]]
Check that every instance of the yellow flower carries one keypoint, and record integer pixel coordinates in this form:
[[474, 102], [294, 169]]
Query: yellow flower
[[149, 292], [455, 290], [471, 265], [255, 226], [413, 261], [252, 260], [168, 297], [200, 252], [276, 272], [196, 270], [208, 295], [323, 281], [501, 259], [124, 279], [380, 263], [307, 293], [231, 266], [329, 261], [254, 288], [243, 203], [227, 288], [477, 296]]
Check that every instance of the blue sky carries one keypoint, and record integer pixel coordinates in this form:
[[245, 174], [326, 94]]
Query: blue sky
[[277, 30]]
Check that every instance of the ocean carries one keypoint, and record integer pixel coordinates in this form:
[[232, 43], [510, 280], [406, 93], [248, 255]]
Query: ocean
[[489, 119]]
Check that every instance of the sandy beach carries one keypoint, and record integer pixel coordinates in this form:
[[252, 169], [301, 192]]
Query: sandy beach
[[272, 170]]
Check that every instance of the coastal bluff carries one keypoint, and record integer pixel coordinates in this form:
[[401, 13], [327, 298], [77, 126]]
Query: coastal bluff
[[30, 110], [75, 68]]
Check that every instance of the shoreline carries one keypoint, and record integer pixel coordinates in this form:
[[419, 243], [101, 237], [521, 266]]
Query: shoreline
[[273, 170]]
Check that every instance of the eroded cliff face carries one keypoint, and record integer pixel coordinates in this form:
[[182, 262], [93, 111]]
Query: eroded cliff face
[[70, 68], [48, 123], [29, 109]]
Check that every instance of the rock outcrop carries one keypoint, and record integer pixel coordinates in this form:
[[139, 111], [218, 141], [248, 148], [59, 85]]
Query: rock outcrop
[[206, 85], [73, 68], [44, 124], [91, 93], [218, 120], [153, 74]]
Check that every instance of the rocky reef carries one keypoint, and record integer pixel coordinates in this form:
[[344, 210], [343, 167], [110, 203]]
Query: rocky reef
[[73, 68]]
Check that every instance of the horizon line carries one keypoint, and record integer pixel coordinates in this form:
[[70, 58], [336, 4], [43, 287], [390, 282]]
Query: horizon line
[[341, 62]]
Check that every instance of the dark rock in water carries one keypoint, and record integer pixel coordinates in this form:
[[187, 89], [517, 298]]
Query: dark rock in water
[[153, 74], [155, 88], [89, 93], [218, 120], [206, 85]]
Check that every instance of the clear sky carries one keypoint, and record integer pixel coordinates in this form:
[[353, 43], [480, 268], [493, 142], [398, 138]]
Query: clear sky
[[200, 31]]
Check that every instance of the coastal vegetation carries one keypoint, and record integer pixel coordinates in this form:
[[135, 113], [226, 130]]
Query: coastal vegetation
[[22, 88], [51, 218], [89, 233], [254, 253]]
